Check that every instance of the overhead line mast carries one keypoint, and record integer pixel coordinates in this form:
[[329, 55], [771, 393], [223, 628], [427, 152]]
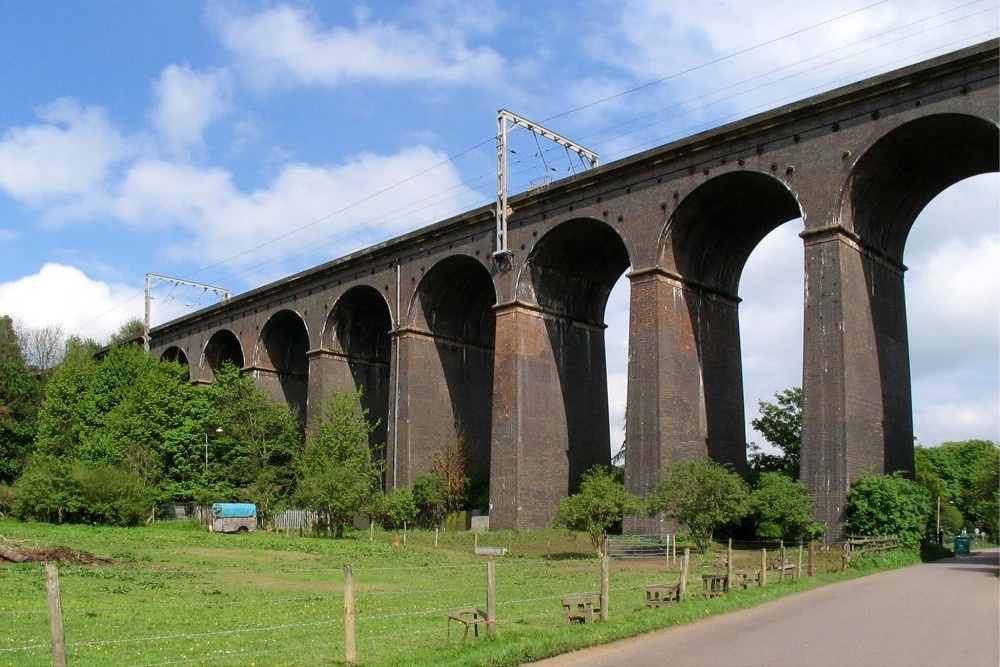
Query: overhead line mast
[[223, 294], [505, 119]]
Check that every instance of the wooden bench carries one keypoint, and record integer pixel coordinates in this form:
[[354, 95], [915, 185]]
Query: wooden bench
[[713, 585], [662, 595], [581, 608], [467, 617]]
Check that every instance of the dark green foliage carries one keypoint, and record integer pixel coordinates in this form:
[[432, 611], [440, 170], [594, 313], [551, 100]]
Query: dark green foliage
[[156, 433], [129, 331], [60, 491], [430, 494], [702, 495], [601, 503], [392, 509], [338, 469], [254, 454], [63, 417], [781, 509], [966, 474], [46, 491], [19, 397], [884, 505], [781, 424]]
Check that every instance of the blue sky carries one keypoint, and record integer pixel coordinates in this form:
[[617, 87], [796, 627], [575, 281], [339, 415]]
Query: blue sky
[[235, 143]]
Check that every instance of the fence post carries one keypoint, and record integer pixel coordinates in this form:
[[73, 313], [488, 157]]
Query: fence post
[[435, 538], [798, 570], [58, 637], [684, 572], [673, 542], [605, 581], [781, 574], [350, 649], [491, 597], [763, 567], [404, 533], [729, 565], [812, 558]]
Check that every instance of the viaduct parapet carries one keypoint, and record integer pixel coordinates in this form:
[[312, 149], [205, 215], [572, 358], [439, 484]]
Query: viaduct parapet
[[440, 337]]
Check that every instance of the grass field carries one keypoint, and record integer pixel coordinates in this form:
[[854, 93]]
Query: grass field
[[176, 594]]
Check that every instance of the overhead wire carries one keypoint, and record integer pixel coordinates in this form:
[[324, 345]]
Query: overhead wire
[[407, 210]]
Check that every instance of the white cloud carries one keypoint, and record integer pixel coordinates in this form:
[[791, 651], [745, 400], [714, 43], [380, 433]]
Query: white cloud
[[187, 102], [225, 221], [286, 44], [68, 156], [63, 295]]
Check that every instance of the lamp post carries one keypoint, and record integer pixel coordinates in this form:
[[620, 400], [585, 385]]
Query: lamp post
[[218, 430]]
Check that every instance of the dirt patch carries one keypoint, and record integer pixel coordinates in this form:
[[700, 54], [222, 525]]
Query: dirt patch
[[52, 554]]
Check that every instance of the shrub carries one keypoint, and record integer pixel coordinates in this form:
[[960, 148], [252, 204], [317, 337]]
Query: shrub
[[888, 505], [601, 503]]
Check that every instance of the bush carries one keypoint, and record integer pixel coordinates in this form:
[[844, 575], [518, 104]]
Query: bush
[[46, 491], [393, 508], [601, 503], [430, 494], [888, 505], [781, 509]]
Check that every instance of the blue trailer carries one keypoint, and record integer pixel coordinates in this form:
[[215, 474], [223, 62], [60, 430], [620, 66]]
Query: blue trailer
[[233, 518]]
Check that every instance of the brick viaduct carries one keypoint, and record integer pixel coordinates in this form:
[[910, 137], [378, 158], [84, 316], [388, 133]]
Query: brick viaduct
[[439, 335]]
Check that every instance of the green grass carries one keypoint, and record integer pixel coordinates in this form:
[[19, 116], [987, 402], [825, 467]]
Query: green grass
[[180, 595]]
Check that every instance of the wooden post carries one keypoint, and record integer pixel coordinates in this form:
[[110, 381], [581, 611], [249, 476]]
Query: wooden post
[[350, 649], [435, 538], [798, 570], [781, 574], [475, 541], [763, 567], [812, 558], [491, 597], [371, 532], [674, 543], [685, 561], [605, 581], [729, 565], [58, 637], [404, 533], [510, 541]]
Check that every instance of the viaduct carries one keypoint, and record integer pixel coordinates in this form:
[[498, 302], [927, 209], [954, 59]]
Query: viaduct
[[442, 336]]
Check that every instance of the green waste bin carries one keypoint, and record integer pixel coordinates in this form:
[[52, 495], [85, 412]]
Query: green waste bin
[[963, 545]]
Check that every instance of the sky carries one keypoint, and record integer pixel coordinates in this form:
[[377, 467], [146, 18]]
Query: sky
[[235, 143]]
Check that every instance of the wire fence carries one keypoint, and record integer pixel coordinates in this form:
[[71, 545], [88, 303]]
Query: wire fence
[[133, 614]]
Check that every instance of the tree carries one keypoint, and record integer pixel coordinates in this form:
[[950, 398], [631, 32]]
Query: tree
[[19, 397], [43, 347], [430, 493], [63, 415], [392, 509], [958, 466], [255, 452], [781, 424], [883, 505], [781, 509], [338, 469], [601, 503], [702, 495], [131, 330], [448, 463]]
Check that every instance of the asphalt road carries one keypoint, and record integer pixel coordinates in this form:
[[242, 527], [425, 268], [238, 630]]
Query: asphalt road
[[936, 614]]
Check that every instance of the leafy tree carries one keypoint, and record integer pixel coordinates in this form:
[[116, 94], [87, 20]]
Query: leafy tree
[[702, 495], [130, 330], [392, 509], [256, 449], [63, 416], [109, 495], [958, 466], [431, 496], [19, 397], [888, 505], [601, 503], [781, 424], [156, 432], [781, 509], [47, 491], [338, 469]]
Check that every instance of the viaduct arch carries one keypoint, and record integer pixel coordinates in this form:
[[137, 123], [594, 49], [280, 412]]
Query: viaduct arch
[[444, 340]]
